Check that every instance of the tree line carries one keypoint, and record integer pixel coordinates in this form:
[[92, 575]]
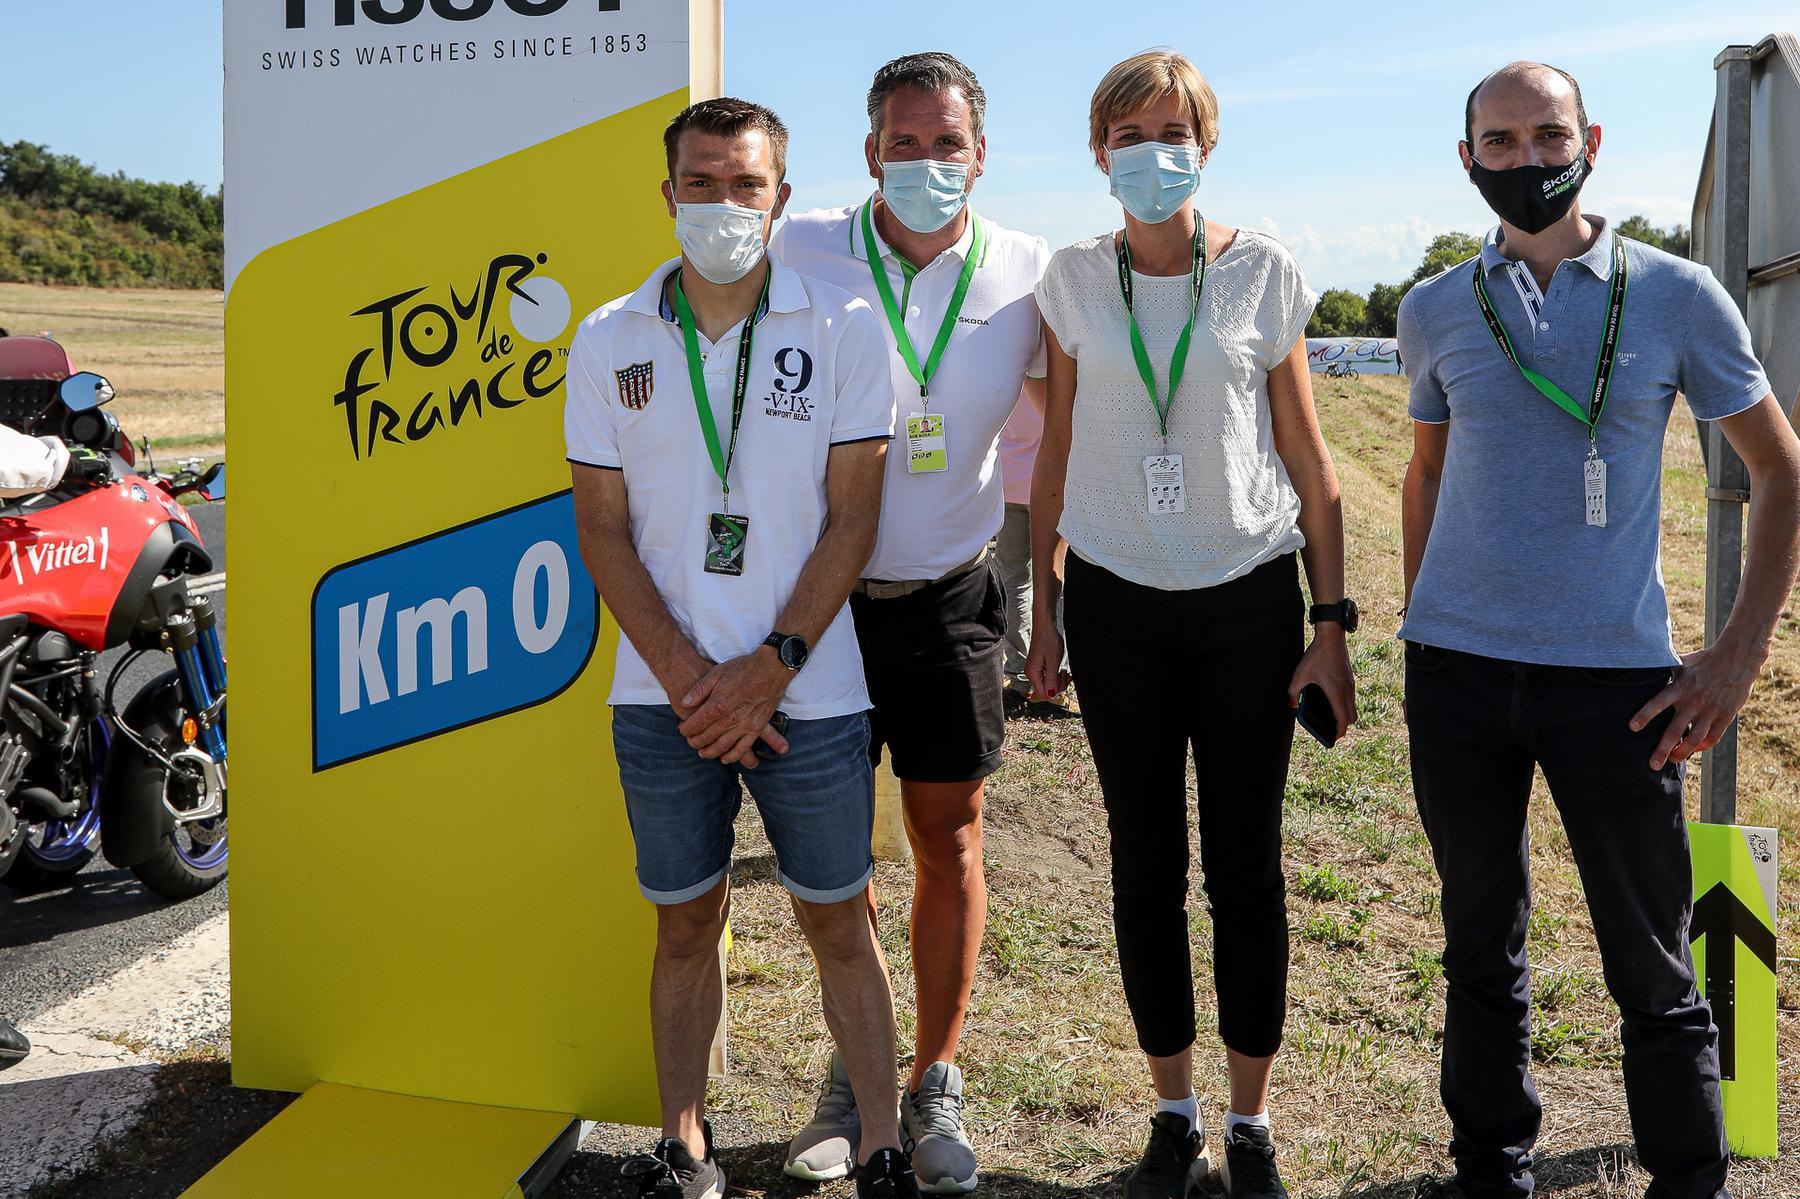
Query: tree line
[[64, 221], [1344, 313]]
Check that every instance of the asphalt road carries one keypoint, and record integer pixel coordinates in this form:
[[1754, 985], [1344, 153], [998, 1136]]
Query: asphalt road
[[55, 944]]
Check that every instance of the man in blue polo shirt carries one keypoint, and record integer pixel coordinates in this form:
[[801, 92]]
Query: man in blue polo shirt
[[1537, 633]]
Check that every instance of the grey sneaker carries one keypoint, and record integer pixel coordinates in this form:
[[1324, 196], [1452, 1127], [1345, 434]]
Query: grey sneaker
[[931, 1128], [826, 1148]]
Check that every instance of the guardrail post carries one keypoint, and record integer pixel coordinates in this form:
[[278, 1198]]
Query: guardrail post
[[1728, 481]]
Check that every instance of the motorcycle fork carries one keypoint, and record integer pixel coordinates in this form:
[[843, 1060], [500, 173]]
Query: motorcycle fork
[[212, 652], [181, 636]]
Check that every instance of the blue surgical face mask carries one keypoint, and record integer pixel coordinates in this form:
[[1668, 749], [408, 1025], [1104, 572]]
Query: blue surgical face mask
[[1154, 179], [723, 241], [925, 194]]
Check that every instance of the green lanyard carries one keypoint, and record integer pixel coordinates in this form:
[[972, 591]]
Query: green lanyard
[[1178, 362], [697, 380], [1603, 365], [896, 320]]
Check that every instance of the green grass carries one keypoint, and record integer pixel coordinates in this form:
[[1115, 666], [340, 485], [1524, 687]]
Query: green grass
[[1324, 884]]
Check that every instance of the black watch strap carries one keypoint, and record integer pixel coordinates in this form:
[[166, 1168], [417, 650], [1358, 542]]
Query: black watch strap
[[1343, 612], [791, 648]]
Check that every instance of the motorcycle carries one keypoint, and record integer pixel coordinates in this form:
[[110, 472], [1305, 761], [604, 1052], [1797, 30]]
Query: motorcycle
[[104, 560]]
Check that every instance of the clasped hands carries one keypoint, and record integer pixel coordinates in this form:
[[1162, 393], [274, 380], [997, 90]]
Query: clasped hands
[[725, 708]]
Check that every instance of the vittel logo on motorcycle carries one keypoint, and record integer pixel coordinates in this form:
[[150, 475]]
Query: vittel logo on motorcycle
[[43, 555], [435, 356], [399, 12], [456, 628]]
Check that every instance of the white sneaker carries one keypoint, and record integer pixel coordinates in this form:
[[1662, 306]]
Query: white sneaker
[[826, 1148]]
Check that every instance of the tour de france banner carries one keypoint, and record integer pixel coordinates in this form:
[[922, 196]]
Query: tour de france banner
[[1366, 355], [432, 883]]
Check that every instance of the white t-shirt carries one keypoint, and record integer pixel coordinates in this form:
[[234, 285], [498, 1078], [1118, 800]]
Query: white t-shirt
[[932, 523], [1241, 508], [818, 378]]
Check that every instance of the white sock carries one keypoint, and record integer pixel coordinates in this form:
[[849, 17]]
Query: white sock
[[1188, 1109], [1232, 1120]]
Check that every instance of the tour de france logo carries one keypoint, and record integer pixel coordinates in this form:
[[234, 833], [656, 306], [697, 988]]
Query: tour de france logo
[[436, 358]]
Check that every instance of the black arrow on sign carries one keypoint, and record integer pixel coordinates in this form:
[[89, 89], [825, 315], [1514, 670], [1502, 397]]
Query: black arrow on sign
[[1721, 917]]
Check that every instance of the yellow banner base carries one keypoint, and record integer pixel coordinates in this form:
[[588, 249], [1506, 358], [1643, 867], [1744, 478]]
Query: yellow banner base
[[348, 1143]]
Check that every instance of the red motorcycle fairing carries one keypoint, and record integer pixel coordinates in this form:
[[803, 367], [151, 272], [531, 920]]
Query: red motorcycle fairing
[[34, 358], [68, 563]]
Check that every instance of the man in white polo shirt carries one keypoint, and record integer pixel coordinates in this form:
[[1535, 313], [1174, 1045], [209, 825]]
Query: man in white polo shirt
[[726, 427], [962, 324]]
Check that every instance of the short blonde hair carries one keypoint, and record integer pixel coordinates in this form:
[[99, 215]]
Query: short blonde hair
[[1141, 81]]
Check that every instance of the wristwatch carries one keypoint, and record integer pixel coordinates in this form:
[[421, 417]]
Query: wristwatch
[[790, 648], [1344, 612]]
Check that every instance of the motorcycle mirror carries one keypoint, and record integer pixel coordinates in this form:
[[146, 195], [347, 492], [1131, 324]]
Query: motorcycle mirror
[[212, 483], [80, 392]]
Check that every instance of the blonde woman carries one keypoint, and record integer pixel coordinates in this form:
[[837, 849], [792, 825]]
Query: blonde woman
[[1183, 471]]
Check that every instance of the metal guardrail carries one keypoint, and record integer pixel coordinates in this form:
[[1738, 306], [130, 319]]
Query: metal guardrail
[[1743, 204]]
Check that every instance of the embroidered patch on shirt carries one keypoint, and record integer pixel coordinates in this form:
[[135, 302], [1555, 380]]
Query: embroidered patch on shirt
[[637, 383]]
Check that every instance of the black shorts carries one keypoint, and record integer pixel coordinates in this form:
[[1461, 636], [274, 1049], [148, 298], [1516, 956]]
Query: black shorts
[[935, 666]]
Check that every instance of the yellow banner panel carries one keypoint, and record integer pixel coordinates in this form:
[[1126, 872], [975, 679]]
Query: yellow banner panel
[[432, 874]]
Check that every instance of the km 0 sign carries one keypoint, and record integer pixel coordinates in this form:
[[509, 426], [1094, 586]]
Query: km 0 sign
[[399, 12]]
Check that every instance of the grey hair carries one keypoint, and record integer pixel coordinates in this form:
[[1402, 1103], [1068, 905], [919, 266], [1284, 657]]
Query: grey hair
[[931, 71]]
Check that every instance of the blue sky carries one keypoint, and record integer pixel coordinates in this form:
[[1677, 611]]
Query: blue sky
[[1339, 122]]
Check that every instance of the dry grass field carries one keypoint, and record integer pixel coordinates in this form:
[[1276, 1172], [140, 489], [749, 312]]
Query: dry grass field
[[1058, 1099], [163, 350]]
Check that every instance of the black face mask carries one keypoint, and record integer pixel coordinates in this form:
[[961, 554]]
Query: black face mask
[[1531, 198]]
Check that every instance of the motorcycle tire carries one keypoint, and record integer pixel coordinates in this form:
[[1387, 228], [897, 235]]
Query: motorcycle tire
[[50, 856], [182, 866]]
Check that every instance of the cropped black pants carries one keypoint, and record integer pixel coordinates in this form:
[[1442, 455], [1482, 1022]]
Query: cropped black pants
[[1159, 671]]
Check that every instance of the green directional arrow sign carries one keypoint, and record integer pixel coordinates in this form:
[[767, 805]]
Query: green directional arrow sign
[[1733, 933]]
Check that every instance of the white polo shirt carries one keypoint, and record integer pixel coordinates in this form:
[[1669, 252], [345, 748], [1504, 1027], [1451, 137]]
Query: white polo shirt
[[818, 378], [932, 523]]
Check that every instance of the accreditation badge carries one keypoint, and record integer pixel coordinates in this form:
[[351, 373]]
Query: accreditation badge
[[725, 538], [1165, 489], [926, 449], [1593, 477]]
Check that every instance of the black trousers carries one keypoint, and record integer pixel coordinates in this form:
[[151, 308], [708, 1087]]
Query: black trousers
[[1158, 671], [1478, 725]]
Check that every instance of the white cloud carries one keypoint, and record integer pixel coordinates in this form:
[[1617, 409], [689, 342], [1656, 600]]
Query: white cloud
[[1356, 255]]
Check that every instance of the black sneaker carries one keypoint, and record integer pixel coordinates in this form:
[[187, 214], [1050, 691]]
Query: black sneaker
[[1012, 701], [1172, 1164], [1248, 1171], [14, 1048], [671, 1172], [886, 1175]]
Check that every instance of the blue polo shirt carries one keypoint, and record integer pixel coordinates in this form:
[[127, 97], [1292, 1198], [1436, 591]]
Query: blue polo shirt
[[1512, 570]]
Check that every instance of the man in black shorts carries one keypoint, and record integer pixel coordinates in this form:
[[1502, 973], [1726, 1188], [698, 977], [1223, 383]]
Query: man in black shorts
[[955, 294]]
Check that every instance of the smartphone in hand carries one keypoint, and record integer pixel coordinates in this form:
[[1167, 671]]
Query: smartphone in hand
[[1315, 715]]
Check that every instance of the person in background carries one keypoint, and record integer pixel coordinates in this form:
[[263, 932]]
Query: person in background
[[1537, 629], [964, 340], [726, 426], [29, 465], [1012, 550], [1183, 470]]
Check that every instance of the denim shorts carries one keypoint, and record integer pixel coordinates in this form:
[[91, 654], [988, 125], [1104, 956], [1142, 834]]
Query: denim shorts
[[817, 804]]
